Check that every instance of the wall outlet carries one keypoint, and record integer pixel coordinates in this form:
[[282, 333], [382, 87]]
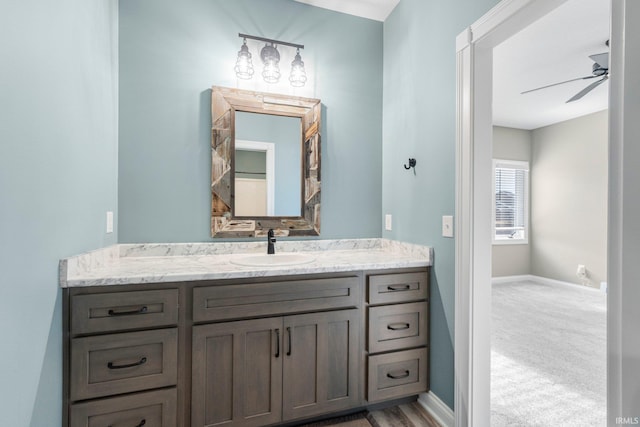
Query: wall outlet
[[581, 271], [388, 222], [109, 222], [447, 226]]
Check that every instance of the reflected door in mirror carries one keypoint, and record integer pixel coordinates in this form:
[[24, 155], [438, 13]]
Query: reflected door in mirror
[[251, 182]]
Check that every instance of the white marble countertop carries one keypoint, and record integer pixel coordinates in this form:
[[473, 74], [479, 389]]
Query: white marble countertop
[[158, 263]]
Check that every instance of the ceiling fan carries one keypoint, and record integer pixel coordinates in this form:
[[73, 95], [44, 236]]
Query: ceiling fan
[[598, 70]]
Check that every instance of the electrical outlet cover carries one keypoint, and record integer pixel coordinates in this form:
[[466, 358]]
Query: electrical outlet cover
[[447, 226], [388, 222]]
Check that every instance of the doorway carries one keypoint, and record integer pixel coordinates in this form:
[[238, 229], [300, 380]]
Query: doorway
[[473, 210], [549, 237]]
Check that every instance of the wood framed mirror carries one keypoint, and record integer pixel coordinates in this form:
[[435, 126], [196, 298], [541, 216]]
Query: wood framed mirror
[[296, 176]]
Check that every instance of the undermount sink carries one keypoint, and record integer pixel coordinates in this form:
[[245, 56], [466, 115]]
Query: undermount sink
[[275, 260]]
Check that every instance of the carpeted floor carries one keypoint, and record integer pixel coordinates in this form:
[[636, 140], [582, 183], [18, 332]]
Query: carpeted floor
[[548, 356], [407, 415]]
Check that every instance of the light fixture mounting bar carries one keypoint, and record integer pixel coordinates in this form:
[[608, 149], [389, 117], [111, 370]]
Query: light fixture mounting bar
[[263, 39]]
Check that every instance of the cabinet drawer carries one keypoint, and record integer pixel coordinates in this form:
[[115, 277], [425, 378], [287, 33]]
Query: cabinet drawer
[[156, 408], [398, 374], [225, 302], [391, 288], [119, 311], [395, 327], [120, 363]]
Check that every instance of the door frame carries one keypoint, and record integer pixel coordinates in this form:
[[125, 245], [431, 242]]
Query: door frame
[[474, 70]]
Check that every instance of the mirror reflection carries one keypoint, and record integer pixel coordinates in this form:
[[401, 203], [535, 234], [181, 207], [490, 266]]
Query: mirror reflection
[[268, 169]]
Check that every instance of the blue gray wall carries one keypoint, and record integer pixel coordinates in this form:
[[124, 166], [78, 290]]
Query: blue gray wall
[[59, 147], [171, 53], [419, 122], [58, 177]]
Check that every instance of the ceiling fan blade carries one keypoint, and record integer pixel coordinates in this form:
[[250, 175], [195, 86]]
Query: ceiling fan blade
[[601, 58], [556, 84], [588, 89]]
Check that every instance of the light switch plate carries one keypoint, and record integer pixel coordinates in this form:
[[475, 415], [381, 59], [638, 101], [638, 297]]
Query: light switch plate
[[388, 222], [109, 222], [447, 226]]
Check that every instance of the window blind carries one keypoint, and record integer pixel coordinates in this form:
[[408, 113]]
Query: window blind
[[511, 185]]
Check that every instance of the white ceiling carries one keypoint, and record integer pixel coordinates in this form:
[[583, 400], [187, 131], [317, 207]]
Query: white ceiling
[[553, 49], [371, 9]]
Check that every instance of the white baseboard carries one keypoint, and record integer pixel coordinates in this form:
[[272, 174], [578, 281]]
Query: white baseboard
[[544, 280], [437, 409], [509, 279]]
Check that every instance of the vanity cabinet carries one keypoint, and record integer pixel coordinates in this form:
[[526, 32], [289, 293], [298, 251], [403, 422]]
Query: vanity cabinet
[[243, 352], [283, 366], [397, 332], [259, 372], [121, 357]]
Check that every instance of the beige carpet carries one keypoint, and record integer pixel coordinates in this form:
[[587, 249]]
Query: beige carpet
[[548, 356]]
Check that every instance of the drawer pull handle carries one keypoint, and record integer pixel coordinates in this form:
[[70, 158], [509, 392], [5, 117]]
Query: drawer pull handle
[[143, 422], [277, 342], [405, 374], [398, 326], [290, 333], [141, 310], [142, 361], [399, 287], [140, 424]]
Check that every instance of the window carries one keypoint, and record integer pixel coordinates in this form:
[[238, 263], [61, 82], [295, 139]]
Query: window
[[510, 202]]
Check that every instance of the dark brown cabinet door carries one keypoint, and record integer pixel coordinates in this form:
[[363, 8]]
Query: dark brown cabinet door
[[237, 373], [321, 364]]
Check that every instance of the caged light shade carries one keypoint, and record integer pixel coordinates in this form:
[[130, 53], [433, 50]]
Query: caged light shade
[[244, 66], [270, 57], [298, 76]]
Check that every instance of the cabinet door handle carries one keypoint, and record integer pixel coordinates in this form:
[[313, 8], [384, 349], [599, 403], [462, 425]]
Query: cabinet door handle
[[141, 310], [398, 287], [290, 333], [140, 424], [398, 326], [404, 374], [142, 361], [277, 342]]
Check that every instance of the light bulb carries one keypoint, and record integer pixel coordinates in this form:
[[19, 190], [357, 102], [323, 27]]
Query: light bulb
[[270, 57], [298, 76], [244, 66]]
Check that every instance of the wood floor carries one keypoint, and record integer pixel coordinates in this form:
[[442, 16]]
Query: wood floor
[[405, 415]]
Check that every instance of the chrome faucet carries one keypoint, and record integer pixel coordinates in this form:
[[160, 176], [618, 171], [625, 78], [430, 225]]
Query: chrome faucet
[[271, 239]]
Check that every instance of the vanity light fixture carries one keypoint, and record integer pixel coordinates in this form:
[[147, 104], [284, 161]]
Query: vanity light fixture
[[270, 58]]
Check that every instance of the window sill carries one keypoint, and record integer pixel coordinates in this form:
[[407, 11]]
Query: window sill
[[511, 242]]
